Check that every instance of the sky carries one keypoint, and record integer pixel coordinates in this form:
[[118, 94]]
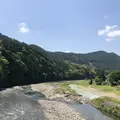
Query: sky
[[79, 26]]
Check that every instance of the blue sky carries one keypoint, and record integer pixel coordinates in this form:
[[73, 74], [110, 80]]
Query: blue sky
[[63, 25]]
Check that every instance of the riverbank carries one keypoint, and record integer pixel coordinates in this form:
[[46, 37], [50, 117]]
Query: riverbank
[[105, 98], [50, 108], [67, 92], [108, 105], [56, 110], [53, 92], [55, 107]]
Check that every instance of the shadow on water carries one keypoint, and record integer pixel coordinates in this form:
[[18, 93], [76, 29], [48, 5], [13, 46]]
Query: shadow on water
[[15, 106]]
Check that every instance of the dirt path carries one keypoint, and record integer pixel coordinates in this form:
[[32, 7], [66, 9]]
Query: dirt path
[[102, 93], [98, 92]]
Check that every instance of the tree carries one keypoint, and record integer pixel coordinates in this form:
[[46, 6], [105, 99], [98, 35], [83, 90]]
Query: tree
[[114, 77], [98, 80], [91, 82], [100, 73], [100, 76]]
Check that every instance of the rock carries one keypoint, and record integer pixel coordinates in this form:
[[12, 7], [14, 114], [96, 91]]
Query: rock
[[55, 110]]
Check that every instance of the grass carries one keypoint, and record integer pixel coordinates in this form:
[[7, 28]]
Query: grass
[[64, 85], [100, 103], [104, 99], [85, 83], [106, 88], [64, 88]]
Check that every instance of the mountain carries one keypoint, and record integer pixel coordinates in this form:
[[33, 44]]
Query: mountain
[[99, 59], [21, 63]]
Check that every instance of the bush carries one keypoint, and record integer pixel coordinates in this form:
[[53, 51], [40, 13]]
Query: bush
[[91, 82], [98, 80], [105, 83], [118, 82], [114, 78]]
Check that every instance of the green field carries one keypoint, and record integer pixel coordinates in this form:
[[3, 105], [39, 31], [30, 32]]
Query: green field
[[107, 88], [85, 83]]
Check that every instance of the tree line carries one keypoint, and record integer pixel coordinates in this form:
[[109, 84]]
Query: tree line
[[21, 63]]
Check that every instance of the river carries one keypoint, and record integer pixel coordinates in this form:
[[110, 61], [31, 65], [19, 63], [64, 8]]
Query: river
[[16, 106], [86, 110]]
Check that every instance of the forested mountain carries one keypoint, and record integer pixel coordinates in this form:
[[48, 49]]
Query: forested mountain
[[99, 59], [21, 63]]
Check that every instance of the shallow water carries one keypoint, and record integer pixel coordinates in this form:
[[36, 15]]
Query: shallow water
[[36, 95], [86, 110], [16, 106], [91, 113]]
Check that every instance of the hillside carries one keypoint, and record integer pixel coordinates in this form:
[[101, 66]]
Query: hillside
[[99, 59], [21, 63]]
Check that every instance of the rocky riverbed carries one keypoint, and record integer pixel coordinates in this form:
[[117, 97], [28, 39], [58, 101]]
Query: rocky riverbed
[[55, 108], [62, 98], [17, 105], [50, 93]]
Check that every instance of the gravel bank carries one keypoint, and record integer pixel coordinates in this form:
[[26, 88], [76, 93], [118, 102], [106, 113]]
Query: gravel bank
[[55, 110], [45, 89]]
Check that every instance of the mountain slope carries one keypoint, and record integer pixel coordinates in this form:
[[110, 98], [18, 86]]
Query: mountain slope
[[21, 63], [99, 59]]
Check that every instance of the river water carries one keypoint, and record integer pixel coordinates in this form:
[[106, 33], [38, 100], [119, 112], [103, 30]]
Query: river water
[[86, 110], [16, 106], [91, 113]]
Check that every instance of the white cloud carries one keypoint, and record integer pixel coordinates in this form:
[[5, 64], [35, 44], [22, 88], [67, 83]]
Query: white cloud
[[23, 28], [110, 32], [106, 29]]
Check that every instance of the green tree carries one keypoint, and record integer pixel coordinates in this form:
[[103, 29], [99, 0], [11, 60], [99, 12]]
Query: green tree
[[98, 80], [100, 73], [114, 77]]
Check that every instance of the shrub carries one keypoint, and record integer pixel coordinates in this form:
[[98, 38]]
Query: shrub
[[98, 80]]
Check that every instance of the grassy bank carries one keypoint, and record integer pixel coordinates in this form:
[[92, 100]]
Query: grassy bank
[[109, 105], [63, 87], [105, 88], [85, 83], [106, 104]]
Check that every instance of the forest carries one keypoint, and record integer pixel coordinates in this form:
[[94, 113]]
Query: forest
[[22, 64]]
